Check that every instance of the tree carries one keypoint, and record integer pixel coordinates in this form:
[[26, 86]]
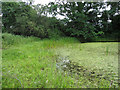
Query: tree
[[20, 18], [78, 22], [113, 15], [23, 19]]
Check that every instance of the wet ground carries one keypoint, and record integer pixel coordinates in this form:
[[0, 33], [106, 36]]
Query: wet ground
[[65, 64]]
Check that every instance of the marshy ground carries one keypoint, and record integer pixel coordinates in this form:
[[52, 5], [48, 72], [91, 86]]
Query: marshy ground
[[64, 63]]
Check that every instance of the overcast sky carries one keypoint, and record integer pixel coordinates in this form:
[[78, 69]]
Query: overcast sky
[[42, 1], [47, 1]]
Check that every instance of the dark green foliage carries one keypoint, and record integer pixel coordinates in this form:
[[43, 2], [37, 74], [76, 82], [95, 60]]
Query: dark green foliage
[[113, 15], [19, 18], [81, 19], [116, 25], [22, 19], [8, 14], [52, 26], [78, 23], [55, 28]]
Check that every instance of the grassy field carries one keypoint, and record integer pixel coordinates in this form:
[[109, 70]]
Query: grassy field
[[30, 62]]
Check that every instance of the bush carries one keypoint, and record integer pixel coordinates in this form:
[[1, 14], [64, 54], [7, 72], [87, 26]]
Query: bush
[[54, 33], [10, 39]]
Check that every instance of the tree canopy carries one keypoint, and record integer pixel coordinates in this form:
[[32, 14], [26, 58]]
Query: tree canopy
[[82, 20]]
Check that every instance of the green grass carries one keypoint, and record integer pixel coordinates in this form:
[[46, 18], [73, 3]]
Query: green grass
[[96, 54], [31, 62]]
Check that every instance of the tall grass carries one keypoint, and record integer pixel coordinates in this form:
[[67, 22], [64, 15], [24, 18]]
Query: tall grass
[[9, 40], [30, 62]]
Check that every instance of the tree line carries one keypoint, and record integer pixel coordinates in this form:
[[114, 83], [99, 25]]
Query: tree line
[[82, 20]]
